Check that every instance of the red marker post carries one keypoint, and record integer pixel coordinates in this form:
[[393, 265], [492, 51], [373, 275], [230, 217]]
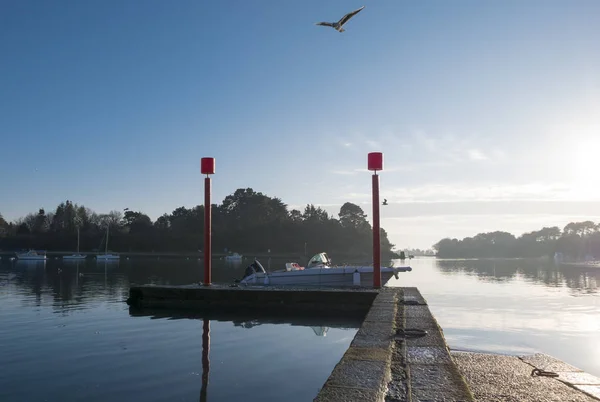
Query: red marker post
[[375, 163], [207, 167]]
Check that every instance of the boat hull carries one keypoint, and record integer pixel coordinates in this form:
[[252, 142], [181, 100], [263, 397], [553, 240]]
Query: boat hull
[[74, 257], [325, 277], [32, 258], [107, 257]]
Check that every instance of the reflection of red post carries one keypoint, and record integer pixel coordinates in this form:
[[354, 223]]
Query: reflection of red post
[[375, 163], [205, 360], [207, 167]]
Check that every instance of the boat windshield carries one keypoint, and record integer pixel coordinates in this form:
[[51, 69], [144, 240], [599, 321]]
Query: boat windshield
[[319, 259], [258, 264]]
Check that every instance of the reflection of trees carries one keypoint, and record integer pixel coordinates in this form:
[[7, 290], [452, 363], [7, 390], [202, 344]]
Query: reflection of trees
[[587, 281], [489, 270], [533, 270], [69, 286]]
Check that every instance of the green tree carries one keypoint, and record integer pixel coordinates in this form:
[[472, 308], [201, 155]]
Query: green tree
[[246, 221], [4, 226], [352, 216]]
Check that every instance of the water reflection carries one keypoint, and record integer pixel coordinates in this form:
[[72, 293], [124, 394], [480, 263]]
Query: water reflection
[[514, 306], [74, 314], [29, 264], [539, 271], [205, 359], [247, 319]]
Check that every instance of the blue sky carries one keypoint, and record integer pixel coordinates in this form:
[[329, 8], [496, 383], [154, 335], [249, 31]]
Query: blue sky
[[487, 112]]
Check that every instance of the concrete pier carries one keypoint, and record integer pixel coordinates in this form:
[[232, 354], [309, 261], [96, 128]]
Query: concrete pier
[[398, 353]]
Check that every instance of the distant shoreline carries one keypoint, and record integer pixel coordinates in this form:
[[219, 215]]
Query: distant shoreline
[[149, 254], [165, 254]]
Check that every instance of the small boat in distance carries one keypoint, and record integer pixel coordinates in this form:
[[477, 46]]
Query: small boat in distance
[[318, 272], [76, 256], [233, 257], [106, 256], [31, 255]]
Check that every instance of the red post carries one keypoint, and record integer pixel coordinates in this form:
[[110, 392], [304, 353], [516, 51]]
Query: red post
[[376, 233], [205, 359], [207, 167], [207, 232], [375, 163]]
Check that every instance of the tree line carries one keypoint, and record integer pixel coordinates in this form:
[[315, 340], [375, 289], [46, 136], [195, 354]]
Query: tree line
[[246, 221], [576, 241]]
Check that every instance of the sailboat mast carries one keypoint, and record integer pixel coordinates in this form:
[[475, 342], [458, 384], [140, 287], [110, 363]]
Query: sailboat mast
[[106, 246], [77, 239]]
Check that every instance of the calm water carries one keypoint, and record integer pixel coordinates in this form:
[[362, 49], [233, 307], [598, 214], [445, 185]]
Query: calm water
[[68, 335], [514, 306]]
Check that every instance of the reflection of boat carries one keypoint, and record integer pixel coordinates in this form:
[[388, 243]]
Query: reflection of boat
[[320, 331], [233, 257], [318, 272], [106, 256], [29, 264], [76, 256], [31, 255]]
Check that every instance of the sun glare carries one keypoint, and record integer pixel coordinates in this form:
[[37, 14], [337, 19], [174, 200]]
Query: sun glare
[[585, 167]]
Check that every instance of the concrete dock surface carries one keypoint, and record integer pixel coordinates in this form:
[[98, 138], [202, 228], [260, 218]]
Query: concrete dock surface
[[495, 378]]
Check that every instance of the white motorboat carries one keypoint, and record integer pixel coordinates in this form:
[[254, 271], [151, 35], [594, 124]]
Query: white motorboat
[[318, 272], [76, 256], [31, 255]]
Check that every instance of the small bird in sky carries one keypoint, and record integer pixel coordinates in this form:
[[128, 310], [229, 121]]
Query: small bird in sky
[[338, 26], [385, 201]]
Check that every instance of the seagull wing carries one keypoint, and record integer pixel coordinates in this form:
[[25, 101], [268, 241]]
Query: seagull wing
[[325, 24], [346, 17]]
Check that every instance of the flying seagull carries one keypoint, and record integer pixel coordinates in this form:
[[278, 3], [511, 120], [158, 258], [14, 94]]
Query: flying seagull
[[338, 26]]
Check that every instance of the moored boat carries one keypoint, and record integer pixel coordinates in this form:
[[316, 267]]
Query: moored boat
[[31, 255], [233, 257], [77, 255], [106, 256], [318, 272]]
